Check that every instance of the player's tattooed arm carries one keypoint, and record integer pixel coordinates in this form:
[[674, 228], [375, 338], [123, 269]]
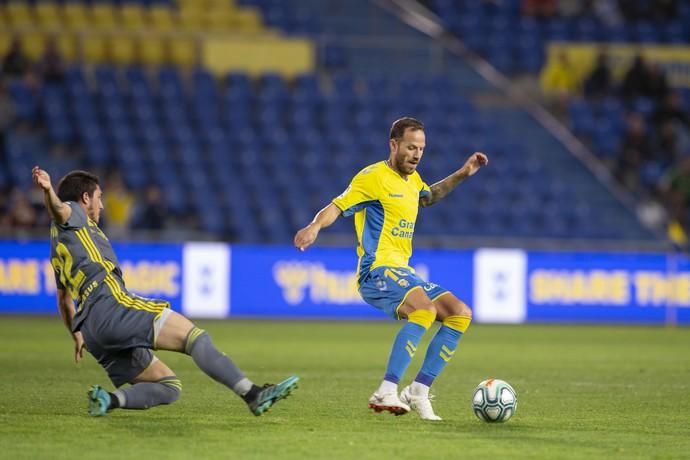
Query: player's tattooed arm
[[440, 189], [58, 210]]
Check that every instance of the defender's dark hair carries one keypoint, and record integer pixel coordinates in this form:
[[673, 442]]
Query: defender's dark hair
[[75, 184], [401, 124]]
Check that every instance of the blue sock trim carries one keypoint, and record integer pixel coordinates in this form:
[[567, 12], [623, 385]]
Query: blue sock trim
[[424, 379], [391, 378]]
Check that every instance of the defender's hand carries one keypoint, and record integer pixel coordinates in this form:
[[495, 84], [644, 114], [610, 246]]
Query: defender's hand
[[79, 347], [41, 178], [474, 162], [306, 237]]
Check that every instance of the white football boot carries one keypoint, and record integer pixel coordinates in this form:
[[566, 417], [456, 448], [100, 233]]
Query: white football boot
[[388, 402], [419, 403]]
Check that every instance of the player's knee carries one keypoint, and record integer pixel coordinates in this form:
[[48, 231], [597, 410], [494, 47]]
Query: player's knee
[[196, 336], [424, 316], [461, 321], [171, 390]]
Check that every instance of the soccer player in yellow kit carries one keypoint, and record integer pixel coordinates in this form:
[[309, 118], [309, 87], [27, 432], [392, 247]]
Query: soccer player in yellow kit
[[384, 198]]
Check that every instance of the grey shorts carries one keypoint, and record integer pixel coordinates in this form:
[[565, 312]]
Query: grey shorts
[[121, 329]]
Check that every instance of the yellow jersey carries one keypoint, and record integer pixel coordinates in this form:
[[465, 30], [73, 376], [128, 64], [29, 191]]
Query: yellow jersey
[[385, 207]]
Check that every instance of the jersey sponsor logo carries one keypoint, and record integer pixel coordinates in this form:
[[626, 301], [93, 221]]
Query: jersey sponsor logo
[[404, 229], [396, 195]]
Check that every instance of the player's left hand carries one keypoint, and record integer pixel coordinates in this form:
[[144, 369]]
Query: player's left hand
[[476, 161], [79, 346], [40, 178]]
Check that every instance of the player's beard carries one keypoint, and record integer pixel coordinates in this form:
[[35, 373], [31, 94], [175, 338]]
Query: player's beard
[[402, 165]]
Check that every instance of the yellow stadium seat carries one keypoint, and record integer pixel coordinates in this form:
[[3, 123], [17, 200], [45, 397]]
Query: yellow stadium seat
[[5, 41], [151, 50], [103, 15], [67, 46], [75, 16], [191, 19], [33, 45], [19, 14], [122, 49], [47, 15], [93, 48], [161, 18], [132, 17], [183, 52], [220, 4], [247, 20], [218, 20], [192, 4]]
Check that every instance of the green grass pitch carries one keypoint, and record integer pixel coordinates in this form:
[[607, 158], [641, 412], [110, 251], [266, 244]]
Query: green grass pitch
[[584, 392]]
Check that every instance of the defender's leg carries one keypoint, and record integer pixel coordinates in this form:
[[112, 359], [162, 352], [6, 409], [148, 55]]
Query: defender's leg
[[155, 386], [180, 334]]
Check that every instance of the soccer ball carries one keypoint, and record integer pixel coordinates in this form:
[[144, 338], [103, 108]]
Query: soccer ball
[[494, 401]]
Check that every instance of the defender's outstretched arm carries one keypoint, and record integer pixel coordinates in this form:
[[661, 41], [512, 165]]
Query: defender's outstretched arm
[[443, 187], [58, 210], [306, 236], [66, 309]]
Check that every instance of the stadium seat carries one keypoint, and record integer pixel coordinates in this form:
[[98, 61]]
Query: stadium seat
[[47, 15], [151, 50], [182, 52], [75, 16], [161, 18]]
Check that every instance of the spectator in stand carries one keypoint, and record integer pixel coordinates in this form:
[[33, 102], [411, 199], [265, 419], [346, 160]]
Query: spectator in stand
[[676, 191], [671, 113], [658, 84], [118, 205], [636, 82], [558, 83], [573, 8], [645, 80], [634, 152], [646, 10], [666, 152], [6, 116], [599, 83], [539, 8], [21, 215], [151, 215], [15, 64], [607, 12], [51, 67], [559, 76], [664, 10]]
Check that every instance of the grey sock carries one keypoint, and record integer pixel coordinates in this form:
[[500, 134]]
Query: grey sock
[[149, 394], [216, 364]]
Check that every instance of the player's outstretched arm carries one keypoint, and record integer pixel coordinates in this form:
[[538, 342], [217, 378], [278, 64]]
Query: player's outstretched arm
[[443, 187], [306, 236], [58, 210], [66, 309]]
